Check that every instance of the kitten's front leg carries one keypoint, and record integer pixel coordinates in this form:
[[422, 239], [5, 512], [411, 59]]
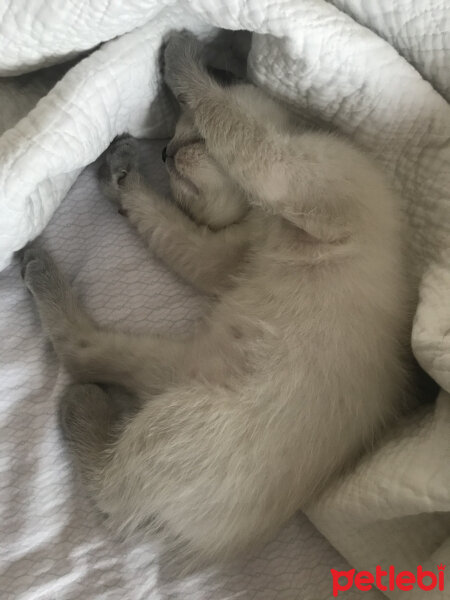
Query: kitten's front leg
[[183, 69], [251, 153], [203, 257]]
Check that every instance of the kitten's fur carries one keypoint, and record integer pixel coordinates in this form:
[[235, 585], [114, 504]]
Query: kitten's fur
[[300, 361]]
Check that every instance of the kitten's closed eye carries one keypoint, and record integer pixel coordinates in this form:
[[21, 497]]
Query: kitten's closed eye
[[223, 77]]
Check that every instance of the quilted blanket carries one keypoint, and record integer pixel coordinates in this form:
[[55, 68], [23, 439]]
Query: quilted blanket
[[376, 71]]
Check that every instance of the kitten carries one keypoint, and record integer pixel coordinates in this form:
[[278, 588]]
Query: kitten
[[302, 358]]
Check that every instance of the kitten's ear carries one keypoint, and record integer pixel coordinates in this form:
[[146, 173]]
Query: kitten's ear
[[294, 193], [321, 225]]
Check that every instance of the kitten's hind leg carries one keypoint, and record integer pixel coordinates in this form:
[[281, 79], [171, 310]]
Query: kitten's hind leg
[[90, 421], [56, 303]]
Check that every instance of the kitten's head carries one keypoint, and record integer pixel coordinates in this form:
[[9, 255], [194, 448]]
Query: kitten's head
[[199, 185]]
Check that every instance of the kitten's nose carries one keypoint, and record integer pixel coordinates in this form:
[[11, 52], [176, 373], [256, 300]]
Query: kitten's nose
[[164, 153]]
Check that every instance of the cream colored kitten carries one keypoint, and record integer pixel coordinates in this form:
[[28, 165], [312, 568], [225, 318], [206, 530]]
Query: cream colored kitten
[[301, 359]]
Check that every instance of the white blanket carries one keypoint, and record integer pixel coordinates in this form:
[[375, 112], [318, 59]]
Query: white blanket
[[378, 71]]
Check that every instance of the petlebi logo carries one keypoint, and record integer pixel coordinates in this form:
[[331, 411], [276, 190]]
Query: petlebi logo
[[389, 579]]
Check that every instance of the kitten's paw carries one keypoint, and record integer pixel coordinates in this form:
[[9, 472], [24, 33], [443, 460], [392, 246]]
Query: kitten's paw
[[60, 315], [181, 46], [182, 65], [119, 162], [38, 270]]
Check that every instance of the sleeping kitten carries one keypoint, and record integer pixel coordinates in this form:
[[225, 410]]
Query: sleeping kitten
[[302, 358]]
